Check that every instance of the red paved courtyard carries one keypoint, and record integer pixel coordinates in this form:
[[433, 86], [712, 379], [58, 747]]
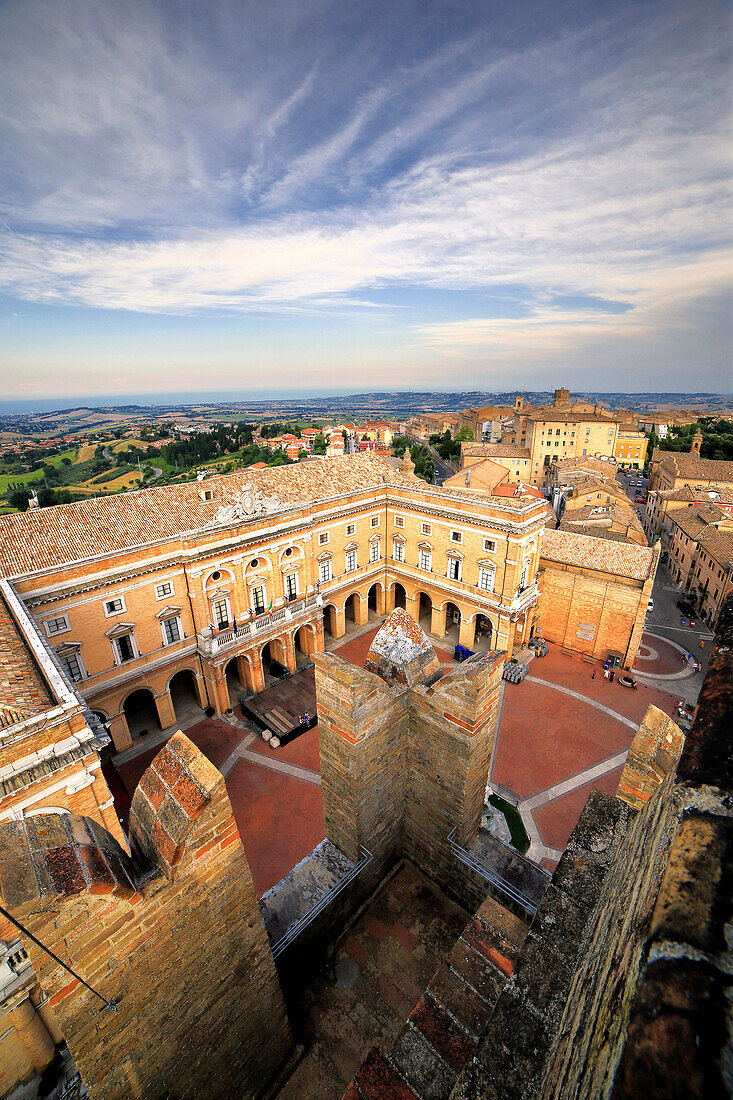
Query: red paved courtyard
[[547, 737]]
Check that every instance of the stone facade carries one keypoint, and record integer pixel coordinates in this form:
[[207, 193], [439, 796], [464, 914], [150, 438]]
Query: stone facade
[[594, 596], [151, 625], [172, 936]]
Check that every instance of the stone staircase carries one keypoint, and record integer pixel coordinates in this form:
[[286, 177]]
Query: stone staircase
[[443, 1030]]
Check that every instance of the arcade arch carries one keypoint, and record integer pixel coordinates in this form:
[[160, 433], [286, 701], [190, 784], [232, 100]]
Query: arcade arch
[[141, 713]]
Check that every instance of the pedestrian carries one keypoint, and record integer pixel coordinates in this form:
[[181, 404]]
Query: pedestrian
[[593, 674], [634, 684], [683, 658], [702, 643], [611, 675], [607, 673]]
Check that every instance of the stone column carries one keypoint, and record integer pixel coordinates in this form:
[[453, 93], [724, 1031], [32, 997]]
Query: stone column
[[120, 732], [289, 652], [437, 622], [467, 632], [38, 1044], [340, 619], [361, 610], [165, 709]]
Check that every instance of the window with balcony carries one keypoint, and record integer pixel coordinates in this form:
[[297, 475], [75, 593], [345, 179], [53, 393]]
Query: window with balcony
[[57, 625], [291, 586], [257, 592], [221, 611]]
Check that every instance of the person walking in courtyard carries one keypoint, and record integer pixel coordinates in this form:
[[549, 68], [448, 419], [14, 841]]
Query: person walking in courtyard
[[611, 675], [607, 673], [593, 674]]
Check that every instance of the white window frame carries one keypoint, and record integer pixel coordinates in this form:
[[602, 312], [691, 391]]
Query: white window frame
[[325, 571], [324, 537], [375, 551], [350, 528], [398, 550], [214, 600], [456, 536], [457, 564], [75, 654], [399, 521], [486, 578], [258, 586], [351, 561], [286, 577], [177, 620], [375, 521], [116, 648], [62, 618], [118, 611], [426, 528], [161, 594], [490, 545], [425, 560]]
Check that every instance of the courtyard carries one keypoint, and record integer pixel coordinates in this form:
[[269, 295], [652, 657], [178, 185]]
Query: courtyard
[[562, 733]]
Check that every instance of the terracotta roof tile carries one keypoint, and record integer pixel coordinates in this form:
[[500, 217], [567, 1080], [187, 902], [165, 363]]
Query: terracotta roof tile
[[46, 537], [23, 690], [624, 559], [494, 450]]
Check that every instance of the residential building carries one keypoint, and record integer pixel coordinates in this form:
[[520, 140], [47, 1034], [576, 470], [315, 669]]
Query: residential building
[[711, 580], [630, 449], [683, 533], [677, 469], [660, 502], [484, 422], [378, 430], [515, 459]]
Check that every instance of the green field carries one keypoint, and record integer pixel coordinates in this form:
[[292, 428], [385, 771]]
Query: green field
[[32, 476]]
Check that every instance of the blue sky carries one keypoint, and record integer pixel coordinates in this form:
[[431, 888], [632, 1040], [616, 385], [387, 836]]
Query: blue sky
[[427, 195]]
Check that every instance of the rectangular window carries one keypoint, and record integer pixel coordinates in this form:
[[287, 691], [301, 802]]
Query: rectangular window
[[490, 545], [454, 569], [426, 560], [374, 552], [72, 666], [426, 529], [57, 625], [291, 586], [323, 538], [399, 521], [350, 561], [375, 521], [171, 630], [350, 528], [486, 579], [125, 648], [221, 613], [456, 536], [163, 590], [114, 607], [324, 571], [258, 599], [398, 551]]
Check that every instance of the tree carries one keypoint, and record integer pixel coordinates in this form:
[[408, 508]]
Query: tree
[[319, 445]]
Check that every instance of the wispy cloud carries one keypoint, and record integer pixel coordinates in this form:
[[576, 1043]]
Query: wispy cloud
[[167, 165]]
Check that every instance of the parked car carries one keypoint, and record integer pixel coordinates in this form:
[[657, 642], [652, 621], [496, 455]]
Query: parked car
[[640, 500], [650, 605], [685, 607]]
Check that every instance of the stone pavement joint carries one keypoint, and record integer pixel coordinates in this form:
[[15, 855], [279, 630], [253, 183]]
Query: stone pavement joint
[[279, 766], [236, 753], [573, 782]]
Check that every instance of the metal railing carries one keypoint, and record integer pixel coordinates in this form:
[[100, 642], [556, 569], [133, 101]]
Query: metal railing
[[307, 919], [498, 881], [209, 645]]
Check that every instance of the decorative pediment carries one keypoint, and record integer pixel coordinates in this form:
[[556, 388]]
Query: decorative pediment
[[120, 630], [378, 538], [425, 546], [398, 538], [351, 546], [168, 612], [65, 648], [455, 554], [325, 555], [219, 593], [487, 565]]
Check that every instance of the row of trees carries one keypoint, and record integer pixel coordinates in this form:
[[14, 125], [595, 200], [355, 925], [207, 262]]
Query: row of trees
[[420, 455], [717, 438], [448, 446]]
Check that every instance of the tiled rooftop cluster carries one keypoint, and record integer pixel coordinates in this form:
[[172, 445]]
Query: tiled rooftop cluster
[[23, 691], [494, 450], [606, 555], [692, 466], [45, 537]]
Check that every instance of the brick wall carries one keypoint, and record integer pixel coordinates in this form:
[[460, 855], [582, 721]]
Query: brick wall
[[174, 936]]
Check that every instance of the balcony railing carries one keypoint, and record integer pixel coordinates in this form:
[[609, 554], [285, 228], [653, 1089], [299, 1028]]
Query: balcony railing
[[270, 622]]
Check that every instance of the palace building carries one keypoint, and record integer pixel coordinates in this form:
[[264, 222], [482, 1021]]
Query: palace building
[[186, 595]]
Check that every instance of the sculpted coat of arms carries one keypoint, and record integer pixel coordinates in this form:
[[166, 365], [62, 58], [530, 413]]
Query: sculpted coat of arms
[[248, 503]]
